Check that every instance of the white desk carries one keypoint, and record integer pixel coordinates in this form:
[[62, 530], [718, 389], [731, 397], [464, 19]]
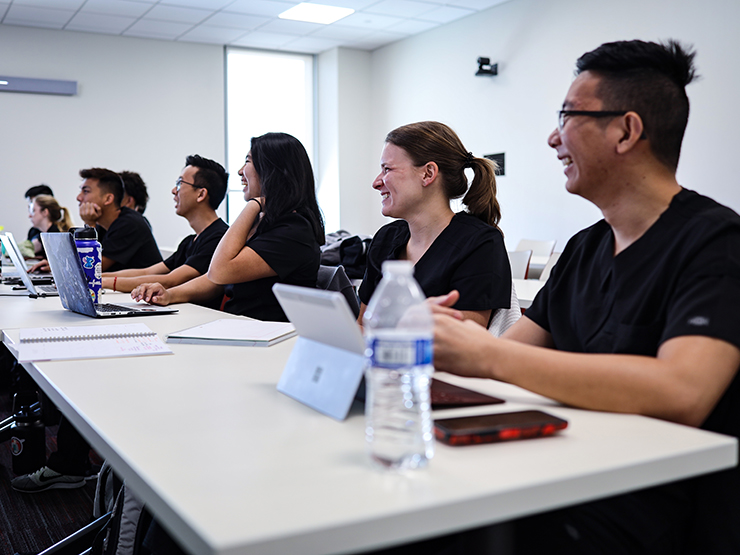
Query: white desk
[[230, 466]]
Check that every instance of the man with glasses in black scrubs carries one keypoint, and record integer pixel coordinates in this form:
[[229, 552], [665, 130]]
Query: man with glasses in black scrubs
[[640, 315], [198, 192]]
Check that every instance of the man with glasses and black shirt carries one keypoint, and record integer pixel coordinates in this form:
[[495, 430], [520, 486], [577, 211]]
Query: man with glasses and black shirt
[[198, 192], [640, 315]]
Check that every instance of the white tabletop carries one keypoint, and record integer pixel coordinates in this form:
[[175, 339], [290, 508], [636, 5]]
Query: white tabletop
[[229, 465]]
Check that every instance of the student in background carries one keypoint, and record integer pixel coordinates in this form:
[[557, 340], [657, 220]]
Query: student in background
[[198, 192], [27, 247], [47, 216], [126, 238], [275, 239], [422, 168], [135, 195]]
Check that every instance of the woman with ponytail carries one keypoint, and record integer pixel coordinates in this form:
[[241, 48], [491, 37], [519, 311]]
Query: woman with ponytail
[[422, 169], [46, 215]]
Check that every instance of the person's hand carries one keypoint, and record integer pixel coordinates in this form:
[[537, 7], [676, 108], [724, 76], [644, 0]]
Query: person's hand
[[152, 293], [462, 347], [90, 213], [42, 267], [442, 304]]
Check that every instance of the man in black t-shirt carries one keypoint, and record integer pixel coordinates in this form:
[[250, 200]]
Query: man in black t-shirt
[[198, 193], [641, 314], [125, 237]]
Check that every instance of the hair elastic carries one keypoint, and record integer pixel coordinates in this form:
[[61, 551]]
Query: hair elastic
[[259, 203]]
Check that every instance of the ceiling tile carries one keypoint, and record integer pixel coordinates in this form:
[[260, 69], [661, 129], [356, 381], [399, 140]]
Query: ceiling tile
[[99, 23], [401, 8], [154, 29], [116, 7], [260, 7], [236, 20], [177, 14], [445, 14], [476, 4], [54, 4], [341, 33], [368, 21], [37, 17], [413, 26], [205, 4], [354, 4], [311, 45], [212, 34], [290, 27], [374, 40], [259, 39]]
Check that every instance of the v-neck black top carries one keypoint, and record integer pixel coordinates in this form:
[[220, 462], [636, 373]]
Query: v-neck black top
[[469, 255], [682, 277]]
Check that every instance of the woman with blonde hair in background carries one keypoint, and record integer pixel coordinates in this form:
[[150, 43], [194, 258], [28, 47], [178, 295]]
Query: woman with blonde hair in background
[[48, 216]]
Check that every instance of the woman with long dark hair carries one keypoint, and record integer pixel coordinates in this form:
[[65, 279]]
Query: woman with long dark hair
[[423, 168], [275, 239]]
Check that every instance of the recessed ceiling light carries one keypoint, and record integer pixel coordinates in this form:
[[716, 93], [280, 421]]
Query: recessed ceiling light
[[316, 13]]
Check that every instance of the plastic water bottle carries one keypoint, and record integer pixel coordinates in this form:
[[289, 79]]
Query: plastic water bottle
[[91, 257], [398, 338]]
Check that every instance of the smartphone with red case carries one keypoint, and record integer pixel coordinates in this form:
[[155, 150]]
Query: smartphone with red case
[[504, 426]]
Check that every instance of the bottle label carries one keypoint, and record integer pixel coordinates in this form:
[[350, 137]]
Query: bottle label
[[397, 353]]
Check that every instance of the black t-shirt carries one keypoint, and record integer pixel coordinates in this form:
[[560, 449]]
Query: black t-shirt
[[129, 242], [33, 233], [197, 251], [290, 249], [469, 255], [682, 277]]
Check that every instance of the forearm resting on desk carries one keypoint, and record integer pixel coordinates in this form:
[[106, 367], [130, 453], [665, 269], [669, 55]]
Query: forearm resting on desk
[[200, 289], [167, 279], [682, 384]]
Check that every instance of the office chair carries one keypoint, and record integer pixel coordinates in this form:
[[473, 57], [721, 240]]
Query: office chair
[[334, 278]]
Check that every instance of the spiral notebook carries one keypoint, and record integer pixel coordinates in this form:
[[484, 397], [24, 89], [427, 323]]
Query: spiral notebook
[[80, 342]]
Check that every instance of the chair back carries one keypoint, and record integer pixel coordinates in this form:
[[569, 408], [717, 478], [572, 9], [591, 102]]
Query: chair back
[[334, 278], [548, 267], [519, 261], [504, 318], [538, 248]]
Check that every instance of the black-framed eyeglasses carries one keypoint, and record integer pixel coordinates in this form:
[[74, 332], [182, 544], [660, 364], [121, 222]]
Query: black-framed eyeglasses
[[562, 114], [179, 182]]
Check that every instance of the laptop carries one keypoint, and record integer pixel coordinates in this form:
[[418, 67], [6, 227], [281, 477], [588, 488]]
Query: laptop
[[71, 282], [326, 368], [34, 290]]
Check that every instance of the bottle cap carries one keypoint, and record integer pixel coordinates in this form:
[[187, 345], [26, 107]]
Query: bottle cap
[[86, 233], [398, 267]]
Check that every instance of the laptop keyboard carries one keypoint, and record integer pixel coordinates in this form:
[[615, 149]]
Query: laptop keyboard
[[49, 289], [107, 307]]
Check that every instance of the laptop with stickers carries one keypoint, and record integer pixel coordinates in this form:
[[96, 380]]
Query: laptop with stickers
[[71, 282]]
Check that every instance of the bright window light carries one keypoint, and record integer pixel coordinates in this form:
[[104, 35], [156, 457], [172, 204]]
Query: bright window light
[[282, 101], [316, 13]]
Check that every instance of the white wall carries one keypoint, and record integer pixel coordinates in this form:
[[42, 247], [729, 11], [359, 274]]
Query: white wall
[[536, 44], [345, 148], [142, 105]]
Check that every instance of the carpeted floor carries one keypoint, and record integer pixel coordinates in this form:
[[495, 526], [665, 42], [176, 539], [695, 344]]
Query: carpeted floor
[[32, 523]]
